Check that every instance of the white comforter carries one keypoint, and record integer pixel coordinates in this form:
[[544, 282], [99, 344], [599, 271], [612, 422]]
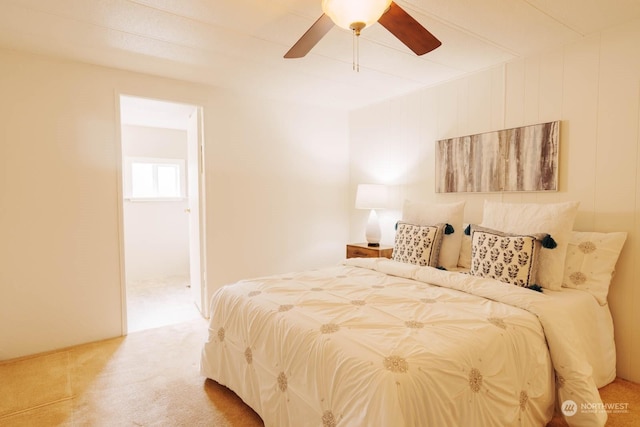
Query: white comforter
[[379, 343]]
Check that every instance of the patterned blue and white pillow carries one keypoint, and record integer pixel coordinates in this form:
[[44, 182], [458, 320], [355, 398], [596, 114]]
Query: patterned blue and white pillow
[[418, 244], [510, 258]]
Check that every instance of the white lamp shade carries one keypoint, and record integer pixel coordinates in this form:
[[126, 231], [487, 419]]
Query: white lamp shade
[[345, 12], [372, 196]]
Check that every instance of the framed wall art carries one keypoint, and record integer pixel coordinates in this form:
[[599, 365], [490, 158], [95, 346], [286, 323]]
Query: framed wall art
[[517, 159]]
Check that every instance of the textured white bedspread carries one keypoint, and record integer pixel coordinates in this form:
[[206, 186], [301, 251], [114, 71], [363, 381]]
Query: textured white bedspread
[[376, 342]]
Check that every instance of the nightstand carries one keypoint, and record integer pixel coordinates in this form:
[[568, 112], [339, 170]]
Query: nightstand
[[361, 250]]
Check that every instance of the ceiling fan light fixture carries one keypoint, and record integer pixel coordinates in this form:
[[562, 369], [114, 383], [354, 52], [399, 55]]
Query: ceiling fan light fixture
[[347, 13], [357, 14]]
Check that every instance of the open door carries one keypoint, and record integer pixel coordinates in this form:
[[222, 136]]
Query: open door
[[195, 193]]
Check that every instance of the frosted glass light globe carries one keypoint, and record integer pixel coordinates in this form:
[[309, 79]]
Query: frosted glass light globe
[[344, 13]]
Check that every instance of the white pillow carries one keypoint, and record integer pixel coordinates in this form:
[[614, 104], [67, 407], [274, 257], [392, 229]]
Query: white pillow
[[555, 219], [464, 260], [591, 261], [421, 213]]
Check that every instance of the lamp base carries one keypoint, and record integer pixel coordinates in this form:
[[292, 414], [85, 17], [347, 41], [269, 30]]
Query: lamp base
[[372, 232]]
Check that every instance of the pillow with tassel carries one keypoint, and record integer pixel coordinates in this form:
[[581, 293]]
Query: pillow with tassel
[[419, 244], [509, 258], [421, 213], [554, 219]]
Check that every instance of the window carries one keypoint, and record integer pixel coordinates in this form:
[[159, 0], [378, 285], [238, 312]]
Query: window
[[154, 179]]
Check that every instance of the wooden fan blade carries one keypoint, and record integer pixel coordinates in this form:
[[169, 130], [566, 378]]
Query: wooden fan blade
[[408, 30], [311, 37]]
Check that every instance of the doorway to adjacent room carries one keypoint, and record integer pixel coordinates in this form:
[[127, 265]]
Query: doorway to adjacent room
[[162, 227]]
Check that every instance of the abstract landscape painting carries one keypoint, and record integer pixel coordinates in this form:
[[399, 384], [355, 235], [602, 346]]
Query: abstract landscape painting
[[518, 159]]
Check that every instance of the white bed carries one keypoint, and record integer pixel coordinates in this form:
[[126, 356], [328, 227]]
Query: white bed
[[379, 342]]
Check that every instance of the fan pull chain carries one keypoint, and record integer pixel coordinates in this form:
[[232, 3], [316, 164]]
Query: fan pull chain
[[356, 51]]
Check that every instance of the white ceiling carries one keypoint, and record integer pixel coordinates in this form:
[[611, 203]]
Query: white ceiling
[[240, 44]]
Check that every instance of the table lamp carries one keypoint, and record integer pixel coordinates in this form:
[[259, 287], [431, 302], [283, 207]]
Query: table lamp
[[372, 196]]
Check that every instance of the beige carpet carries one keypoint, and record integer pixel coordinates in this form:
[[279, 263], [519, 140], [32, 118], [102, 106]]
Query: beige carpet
[[622, 393], [159, 302], [150, 378]]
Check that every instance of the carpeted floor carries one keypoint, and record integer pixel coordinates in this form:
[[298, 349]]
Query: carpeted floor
[[159, 302], [151, 378], [621, 394]]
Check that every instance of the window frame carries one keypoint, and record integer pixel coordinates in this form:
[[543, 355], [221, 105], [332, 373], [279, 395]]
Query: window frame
[[154, 161]]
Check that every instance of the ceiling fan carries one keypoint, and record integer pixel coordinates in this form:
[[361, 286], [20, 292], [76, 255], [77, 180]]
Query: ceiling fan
[[357, 14]]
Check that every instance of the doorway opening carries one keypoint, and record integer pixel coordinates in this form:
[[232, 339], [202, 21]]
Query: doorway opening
[[162, 211]]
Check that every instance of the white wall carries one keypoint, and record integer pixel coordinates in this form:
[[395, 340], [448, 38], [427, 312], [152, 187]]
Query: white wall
[[280, 176], [156, 232], [276, 196], [593, 86]]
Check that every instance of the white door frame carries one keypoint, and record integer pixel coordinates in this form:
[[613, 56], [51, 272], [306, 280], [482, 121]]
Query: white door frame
[[197, 203], [202, 306]]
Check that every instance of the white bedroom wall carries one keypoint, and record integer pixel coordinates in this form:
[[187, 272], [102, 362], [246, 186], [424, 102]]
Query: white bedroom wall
[[280, 175], [156, 240], [276, 196], [593, 86]]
